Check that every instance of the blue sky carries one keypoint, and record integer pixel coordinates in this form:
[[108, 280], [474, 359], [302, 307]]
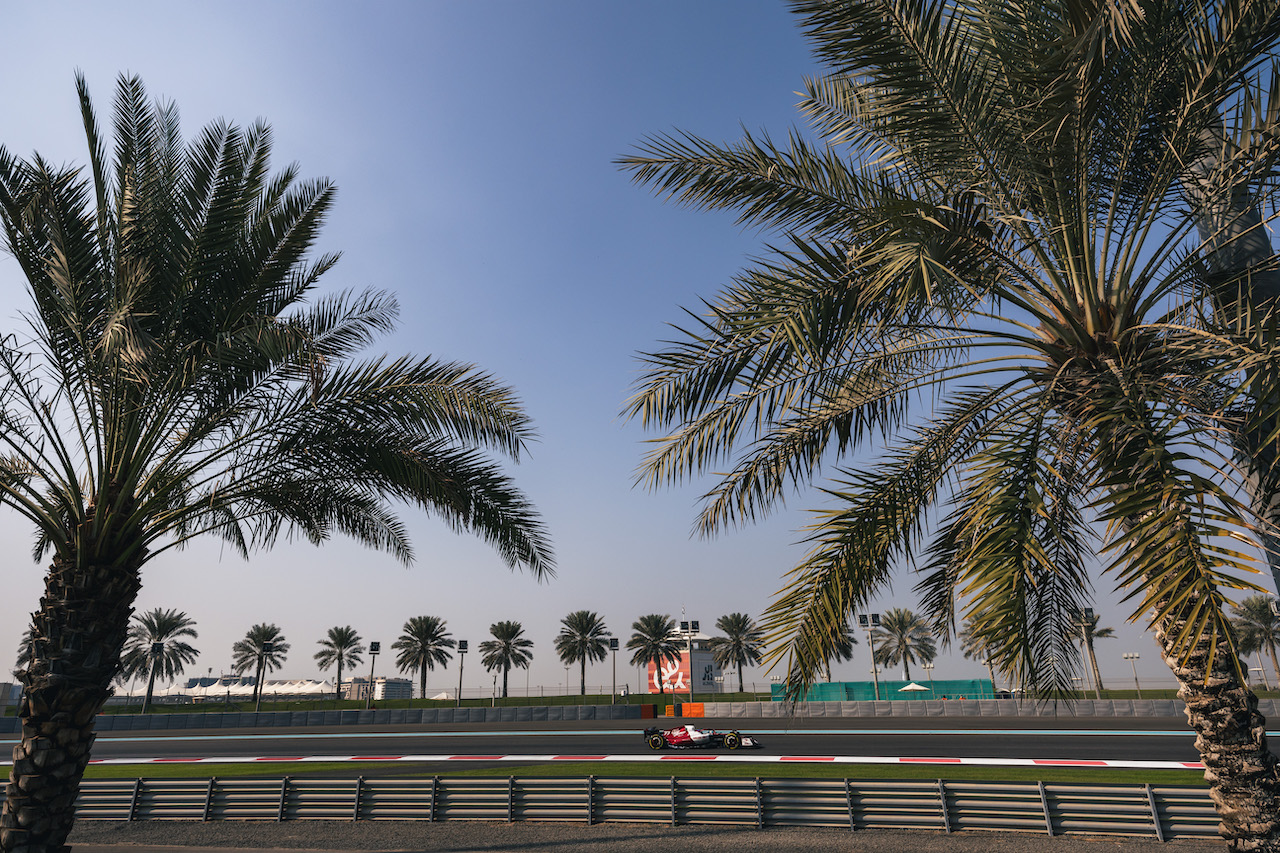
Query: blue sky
[[473, 148]]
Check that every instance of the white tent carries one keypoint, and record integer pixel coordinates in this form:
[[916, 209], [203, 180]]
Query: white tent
[[913, 688], [442, 696], [224, 690]]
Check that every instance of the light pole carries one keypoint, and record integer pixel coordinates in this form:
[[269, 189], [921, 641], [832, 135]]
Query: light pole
[[613, 647], [689, 629], [462, 654], [1132, 657], [869, 622], [928, 668], [774, 679], [374, 648], [1263, 672], [268, 648]]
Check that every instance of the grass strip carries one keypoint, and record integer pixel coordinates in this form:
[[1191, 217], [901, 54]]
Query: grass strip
[[642, 769]]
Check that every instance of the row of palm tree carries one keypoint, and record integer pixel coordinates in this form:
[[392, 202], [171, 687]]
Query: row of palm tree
[[156, 647]]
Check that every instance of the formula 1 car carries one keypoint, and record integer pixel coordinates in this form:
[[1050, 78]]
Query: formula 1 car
[[689, 737]]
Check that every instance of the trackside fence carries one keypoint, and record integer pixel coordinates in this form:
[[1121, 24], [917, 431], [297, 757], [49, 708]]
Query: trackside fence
[[1042, 808]]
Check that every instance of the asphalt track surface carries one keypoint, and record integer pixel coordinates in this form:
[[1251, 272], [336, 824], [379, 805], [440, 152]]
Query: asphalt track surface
[[1067, 739]]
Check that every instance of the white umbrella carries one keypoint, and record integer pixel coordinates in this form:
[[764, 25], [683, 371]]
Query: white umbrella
[[913, 687]]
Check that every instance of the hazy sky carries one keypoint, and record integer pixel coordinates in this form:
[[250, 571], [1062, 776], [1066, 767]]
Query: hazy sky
[[473, 145]]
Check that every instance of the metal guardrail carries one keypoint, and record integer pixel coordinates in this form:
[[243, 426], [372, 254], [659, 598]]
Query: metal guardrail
[[1050, 809]]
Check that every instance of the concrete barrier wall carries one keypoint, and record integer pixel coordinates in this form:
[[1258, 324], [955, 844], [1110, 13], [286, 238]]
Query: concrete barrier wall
[[1270, 708]]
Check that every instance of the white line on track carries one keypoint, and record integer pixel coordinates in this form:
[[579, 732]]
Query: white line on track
[[669, 757]]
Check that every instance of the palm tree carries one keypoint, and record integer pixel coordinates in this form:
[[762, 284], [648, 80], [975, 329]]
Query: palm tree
[[1014, 236], [24, 649], [1258, 628], [180, 376], [508, 648], [974, 647], [903, 638], [251, 653], [740, 645], [654, 640], [582, 638], [155, 647], [423, 644], [341, 646], [1089, 631]]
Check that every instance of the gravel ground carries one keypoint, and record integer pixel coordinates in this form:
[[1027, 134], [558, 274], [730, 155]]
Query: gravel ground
[[485, 837]]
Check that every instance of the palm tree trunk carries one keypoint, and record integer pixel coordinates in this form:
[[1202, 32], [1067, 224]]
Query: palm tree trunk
[[583, 683], [1093, 665], [80, 629], [1275, 664], [740, 690], [991, 671], [505, 671], [422, 686], [337, 690], [1244, 777], [151, 686]]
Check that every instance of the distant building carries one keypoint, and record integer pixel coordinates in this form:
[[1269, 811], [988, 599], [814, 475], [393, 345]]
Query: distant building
[[383, 688]]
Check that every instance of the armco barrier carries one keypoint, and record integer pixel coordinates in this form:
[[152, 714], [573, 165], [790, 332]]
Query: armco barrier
[[1122, 810], [1269, 708]]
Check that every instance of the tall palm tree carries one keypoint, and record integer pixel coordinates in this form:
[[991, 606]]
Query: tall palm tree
[[1089, 631], [654, 640], [903, 638], [740, 645], [154, 647], [180, 376], [508, 648], [1013, 234], [251, 653], [343, 647], [583, 637], [974, 647], [1258, 628], [422, 645]]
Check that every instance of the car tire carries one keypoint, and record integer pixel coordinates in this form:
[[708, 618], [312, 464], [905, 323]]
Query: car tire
[[656, 741], [732, 740]]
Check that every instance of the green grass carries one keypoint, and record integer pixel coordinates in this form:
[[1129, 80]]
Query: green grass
[[684, 770]]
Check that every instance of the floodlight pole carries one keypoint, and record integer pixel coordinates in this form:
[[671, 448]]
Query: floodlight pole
[[1131, 657], [868, 621], [374, 648], [613, 647], [462, 654]]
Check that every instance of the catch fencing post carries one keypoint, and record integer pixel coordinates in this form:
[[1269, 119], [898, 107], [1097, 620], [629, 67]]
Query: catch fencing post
[[284, 796], [355, 811], [1044, 804], [1155, 813], [133, 801], [942, 801], [208, 799]]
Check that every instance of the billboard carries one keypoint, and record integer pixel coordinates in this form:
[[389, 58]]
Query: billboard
[[676, 675]]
